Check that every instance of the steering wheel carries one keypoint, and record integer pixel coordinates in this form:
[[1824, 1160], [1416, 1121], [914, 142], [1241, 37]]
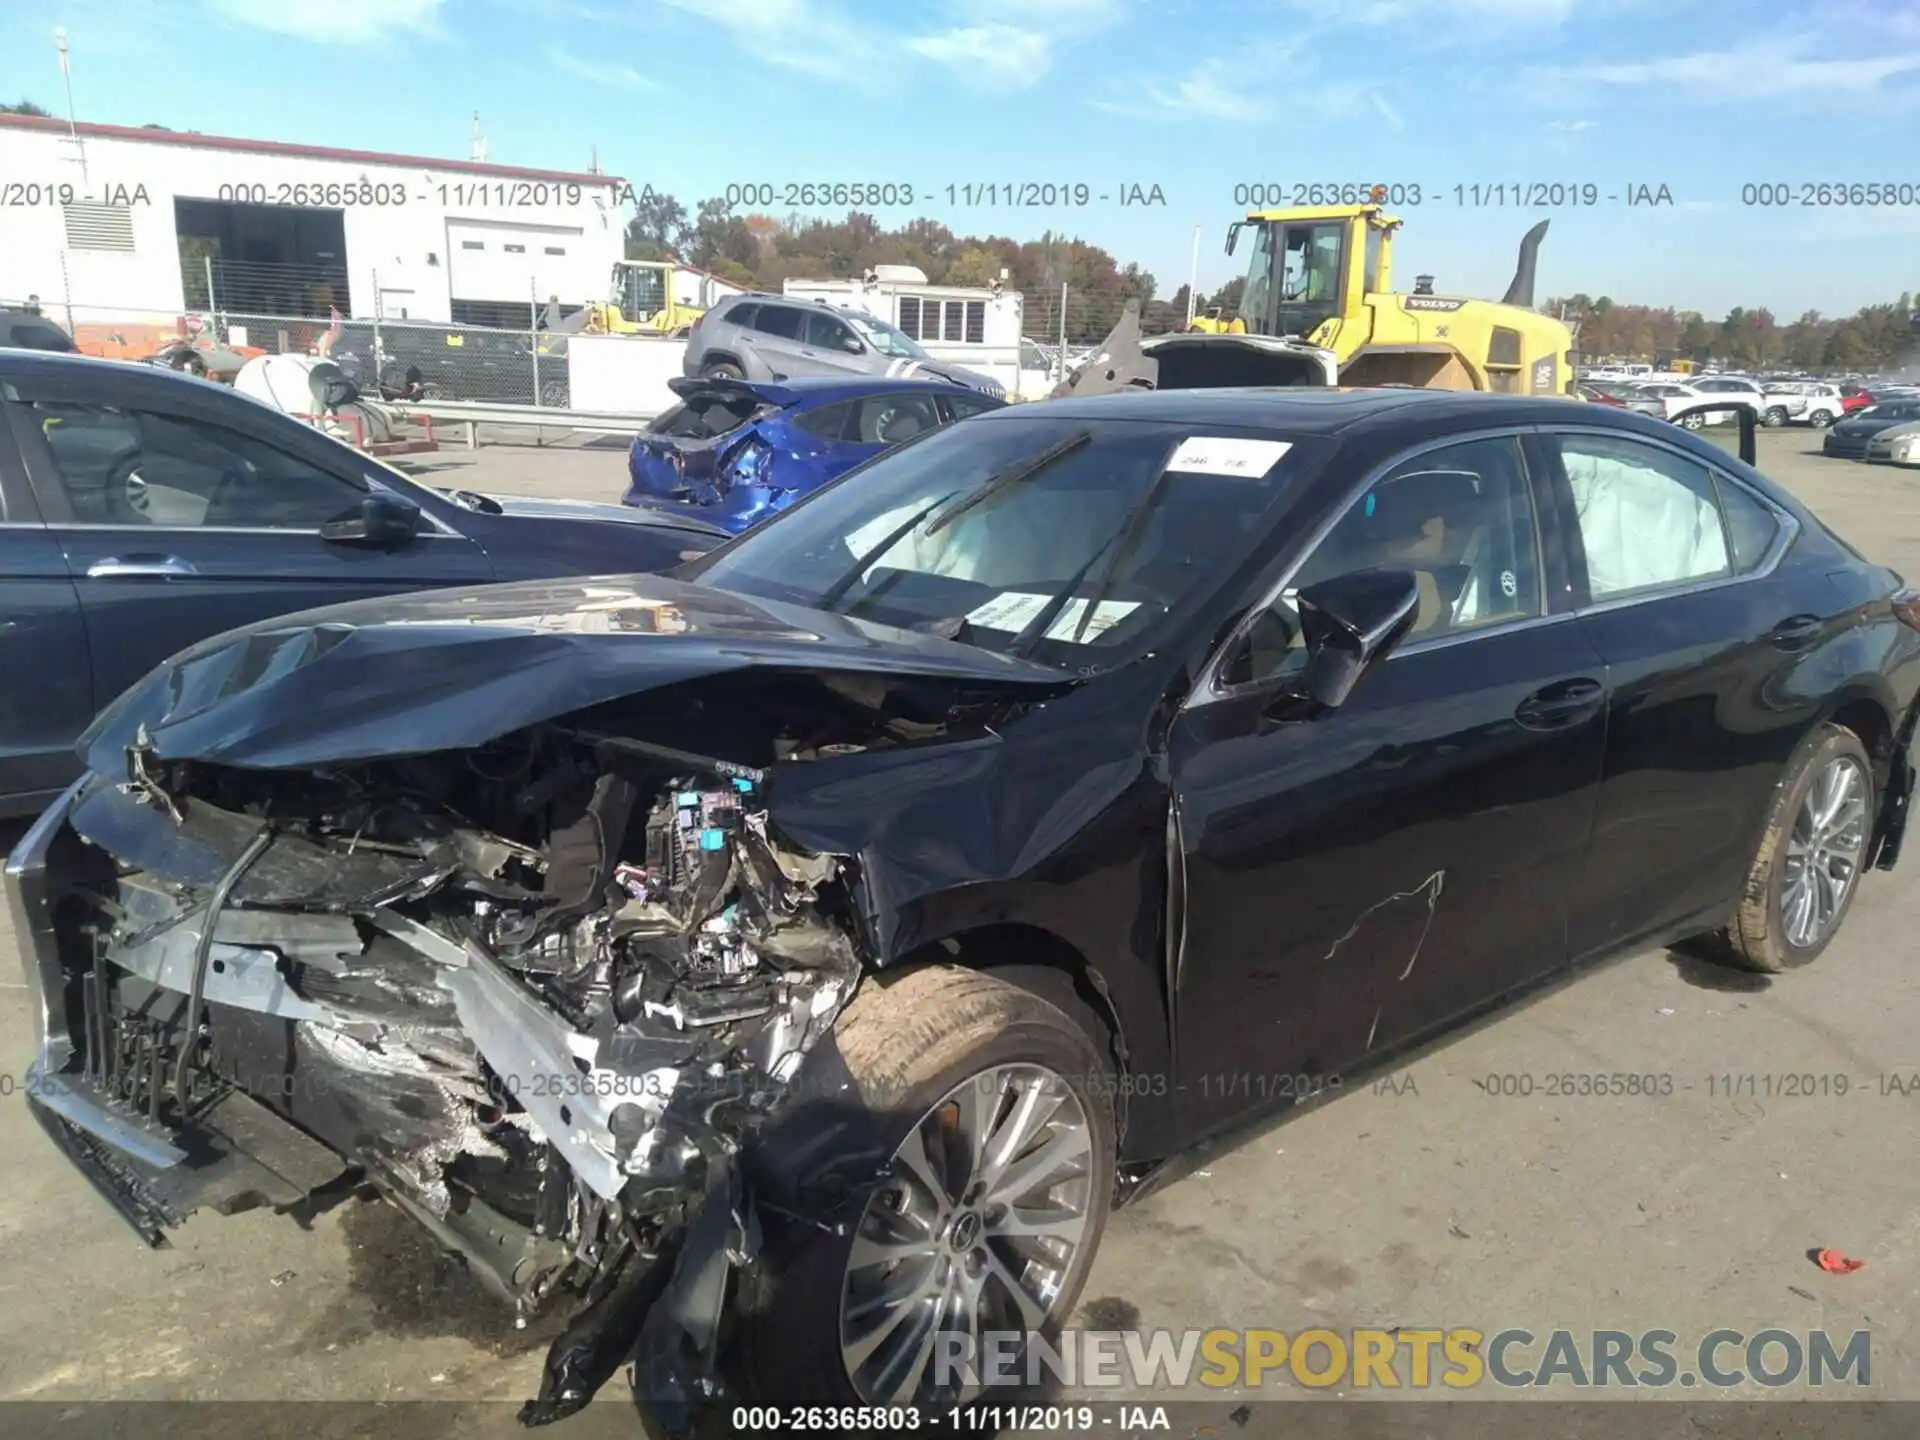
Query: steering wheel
[[127, 496]]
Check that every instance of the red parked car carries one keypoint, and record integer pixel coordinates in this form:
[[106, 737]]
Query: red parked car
[[1854, 398]]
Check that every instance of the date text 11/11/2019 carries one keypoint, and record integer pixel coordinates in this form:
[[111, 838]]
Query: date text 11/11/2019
[[1499, 194], [891, 194]]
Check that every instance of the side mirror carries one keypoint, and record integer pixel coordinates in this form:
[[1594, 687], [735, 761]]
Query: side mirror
[[853, 345], [379, 519], [1350, 623]]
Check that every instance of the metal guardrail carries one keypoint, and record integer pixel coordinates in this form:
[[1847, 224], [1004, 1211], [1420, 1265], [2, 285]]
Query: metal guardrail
[[474, 413]]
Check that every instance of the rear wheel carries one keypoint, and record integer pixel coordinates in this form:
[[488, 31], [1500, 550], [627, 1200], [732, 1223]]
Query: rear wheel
[[1820, 419], [987, 1216], [1807, 867], [1693, 422], [723, 370], [1775, 417]]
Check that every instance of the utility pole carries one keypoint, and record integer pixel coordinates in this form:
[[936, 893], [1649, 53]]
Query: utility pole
[[1193, 278], [479, 148], [66, 77]]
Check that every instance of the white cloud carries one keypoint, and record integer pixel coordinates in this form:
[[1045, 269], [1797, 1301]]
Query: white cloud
[[1215, 90], [1572, 127], [811, 37], [623, 77], [341, 21], [1761, 69], [994, 56]]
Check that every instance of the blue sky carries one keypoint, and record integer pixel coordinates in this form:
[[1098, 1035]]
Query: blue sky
[[1195, 96]]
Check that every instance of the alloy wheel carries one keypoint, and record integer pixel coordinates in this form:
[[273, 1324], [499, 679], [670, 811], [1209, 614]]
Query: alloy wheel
[[1824, 850], [973, 1233]]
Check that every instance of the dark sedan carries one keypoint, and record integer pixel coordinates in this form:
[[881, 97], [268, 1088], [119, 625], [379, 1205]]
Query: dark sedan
[[1850, 438], [798, 956], [141, 511]]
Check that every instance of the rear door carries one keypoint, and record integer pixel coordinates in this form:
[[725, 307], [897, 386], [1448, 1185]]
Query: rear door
[[776, 339], [183, 510], [46, 688], [1678, 584]]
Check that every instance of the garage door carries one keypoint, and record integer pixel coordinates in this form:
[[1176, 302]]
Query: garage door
[[498, 260]]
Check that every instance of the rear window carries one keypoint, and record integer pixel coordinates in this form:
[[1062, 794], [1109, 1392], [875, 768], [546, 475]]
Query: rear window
[[829, 422], [34, 335], [739, 314], [703, 416], [778, 320]]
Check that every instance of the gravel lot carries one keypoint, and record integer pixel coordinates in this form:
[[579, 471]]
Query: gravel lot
[[1429, 1202]]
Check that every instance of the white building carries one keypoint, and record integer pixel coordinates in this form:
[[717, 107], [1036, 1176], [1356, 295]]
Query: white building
[[975, 326], [112, 222]]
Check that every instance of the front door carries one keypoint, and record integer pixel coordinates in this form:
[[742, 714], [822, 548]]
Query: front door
[[180, 518], [1355, 879], [46, 691]]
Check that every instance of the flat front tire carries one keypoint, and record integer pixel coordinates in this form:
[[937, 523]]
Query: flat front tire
[[988, 1216], [1807, 867]]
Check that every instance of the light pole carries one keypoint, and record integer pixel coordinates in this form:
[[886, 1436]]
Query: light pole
[[1193, 278]]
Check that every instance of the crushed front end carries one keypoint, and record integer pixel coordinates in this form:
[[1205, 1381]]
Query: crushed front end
[[541, 994]]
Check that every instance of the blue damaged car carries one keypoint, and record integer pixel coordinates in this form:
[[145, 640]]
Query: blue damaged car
[[733, 452]]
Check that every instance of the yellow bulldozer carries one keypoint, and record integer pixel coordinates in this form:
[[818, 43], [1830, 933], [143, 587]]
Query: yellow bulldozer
[[1318, 307]]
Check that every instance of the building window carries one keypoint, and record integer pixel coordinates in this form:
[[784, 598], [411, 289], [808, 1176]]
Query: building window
[[556, 249], [516, 249], [956, 326], [976, 322], [473, 245], [910, 315], [92, 226]]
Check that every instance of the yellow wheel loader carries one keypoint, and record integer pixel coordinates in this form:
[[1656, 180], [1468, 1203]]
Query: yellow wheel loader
[[641, 301], [1318, 308]]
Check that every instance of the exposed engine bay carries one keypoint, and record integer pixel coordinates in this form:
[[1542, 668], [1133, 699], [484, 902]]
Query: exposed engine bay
[[539, 994]]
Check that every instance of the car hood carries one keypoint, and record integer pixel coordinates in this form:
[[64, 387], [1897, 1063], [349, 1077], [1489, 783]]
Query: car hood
[[957, 374], [1898, 430], [453, 669], [541, 509], [1866, 425]]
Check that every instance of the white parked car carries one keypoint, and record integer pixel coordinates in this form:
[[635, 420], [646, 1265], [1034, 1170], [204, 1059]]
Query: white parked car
[[1684, 403], [1774, 405], [1824, 405], [1039, 371], [1897, 446]]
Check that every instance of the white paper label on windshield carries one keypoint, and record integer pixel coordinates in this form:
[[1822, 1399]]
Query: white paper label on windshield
[[1015, 610], [1227, 455]]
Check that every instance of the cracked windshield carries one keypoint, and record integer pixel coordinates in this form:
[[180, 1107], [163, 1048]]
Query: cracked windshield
[[995, 717]]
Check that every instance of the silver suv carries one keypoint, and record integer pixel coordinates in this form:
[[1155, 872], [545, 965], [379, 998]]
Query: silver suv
[[770, 337]]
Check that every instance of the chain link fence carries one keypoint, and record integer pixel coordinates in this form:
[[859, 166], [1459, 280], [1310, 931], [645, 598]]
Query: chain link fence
[[387, 359]]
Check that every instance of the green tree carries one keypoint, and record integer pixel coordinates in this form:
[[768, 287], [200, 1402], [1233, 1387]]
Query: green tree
[[26, 107], [659, 229]]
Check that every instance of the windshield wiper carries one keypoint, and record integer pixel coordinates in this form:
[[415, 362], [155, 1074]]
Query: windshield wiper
[[1037, 627], [1129, 537], [1013, 475], [846, 582]]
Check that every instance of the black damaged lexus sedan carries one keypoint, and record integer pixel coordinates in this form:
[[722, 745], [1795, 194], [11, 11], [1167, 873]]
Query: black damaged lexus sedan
[[787, 963]]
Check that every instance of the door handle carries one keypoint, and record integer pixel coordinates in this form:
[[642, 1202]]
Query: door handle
[[1796, 631], [1562, 705], [140, 567]]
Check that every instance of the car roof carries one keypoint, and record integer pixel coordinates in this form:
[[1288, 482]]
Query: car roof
[[53, 364], [1316, 410], [762, 297]]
